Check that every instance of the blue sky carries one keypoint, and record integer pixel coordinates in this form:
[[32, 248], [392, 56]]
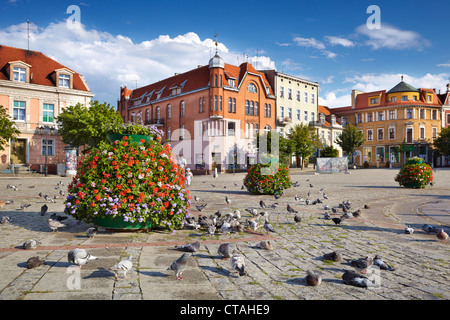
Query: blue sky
[[328, 42]]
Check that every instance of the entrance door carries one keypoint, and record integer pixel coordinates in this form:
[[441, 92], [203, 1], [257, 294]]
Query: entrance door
[[18, 151]]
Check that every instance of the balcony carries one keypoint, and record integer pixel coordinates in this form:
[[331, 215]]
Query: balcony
[[284, 120], [155, 122]]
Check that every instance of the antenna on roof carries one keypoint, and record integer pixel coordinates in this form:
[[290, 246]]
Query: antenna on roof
[[257, 59], [217, 44], [402, 77]]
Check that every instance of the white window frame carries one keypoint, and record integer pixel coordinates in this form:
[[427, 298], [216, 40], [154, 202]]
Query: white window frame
[[52, 112], [45, 146], [19, 74], [389, 133], [378, 135], [64, 80], [371, 131], [24, 108]]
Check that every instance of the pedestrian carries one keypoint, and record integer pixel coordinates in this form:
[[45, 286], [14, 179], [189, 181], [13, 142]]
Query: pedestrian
[[189, 176], [182, 162]]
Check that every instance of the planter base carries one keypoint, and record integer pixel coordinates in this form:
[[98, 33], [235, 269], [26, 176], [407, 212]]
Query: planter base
[[117, 224]]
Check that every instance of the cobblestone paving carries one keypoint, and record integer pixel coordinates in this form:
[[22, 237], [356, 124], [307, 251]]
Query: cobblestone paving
[[421, 262]]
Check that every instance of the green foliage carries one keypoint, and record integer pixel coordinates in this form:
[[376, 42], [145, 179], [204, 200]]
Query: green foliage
[[304, 141], [267, 179], [8, 129], [273, 139], [415, 175], [137, 181], [329, 152], [132, 128], [350, 139], [442, 142], [82, 125]]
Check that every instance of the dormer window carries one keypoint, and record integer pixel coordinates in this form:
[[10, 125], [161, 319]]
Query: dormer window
[[19, 74], [64, 81]]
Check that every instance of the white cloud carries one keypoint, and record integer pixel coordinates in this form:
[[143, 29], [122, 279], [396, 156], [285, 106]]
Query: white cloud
[[333, 101], [108, 61], [391, 37], [334, 41], [309, 43], [445, 65]]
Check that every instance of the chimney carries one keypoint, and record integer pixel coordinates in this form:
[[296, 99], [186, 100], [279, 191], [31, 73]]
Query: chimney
[[354, 95]]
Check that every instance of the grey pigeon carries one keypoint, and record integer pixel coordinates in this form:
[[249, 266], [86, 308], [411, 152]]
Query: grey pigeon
[[378, 261], [336, 221], [409, 230], [290, 209], [262, 204], [190, 247], [179, 265], [265, 244], [252, 211], [237, 262], [226, 250], [44, 210], [92, 231], [227, 200], [355, 279], [361, 264], [268, 227], [124, 266], [58, 217], [356, 213], [55, 224], [333, 256], [427, 228], [442, 235], [327, 216], [297, 218], [34, 262], [201, 207], [5, 220], [79, 257], [312, 278], [25, 205], [196, 198], [211, 229], [30, 244]]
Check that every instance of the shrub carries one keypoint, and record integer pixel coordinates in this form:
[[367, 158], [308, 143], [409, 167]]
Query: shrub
[[136, 180], [415, 175], [274, 182]]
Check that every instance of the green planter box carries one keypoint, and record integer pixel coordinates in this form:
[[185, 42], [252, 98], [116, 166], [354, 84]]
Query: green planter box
[[132, 137], [117, 223], [414, 161]]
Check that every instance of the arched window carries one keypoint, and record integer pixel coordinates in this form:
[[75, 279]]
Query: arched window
[[147, 116], [251, 88], [220, 80], [182, 109], [169, 133], [158, 113], [169, 111], [266, 129], [215, 80]]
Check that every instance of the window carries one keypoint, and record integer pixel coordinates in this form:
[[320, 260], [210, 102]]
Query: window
[[298, 115], [289, 113], [434, 132], [344, 121], [422, 113], [234, 105], [220, 80], [269, 108], [415, 98], [182, 109], [281, 92], [251, 108], [404, 98], [422, 133], [216, 104], [381, 116], [247, 107], [169, 133], [380, 153], [47, 147], [200, 105], [368, 154], [231, 82], [19, 74], [230, 105], [158, 113], [231, 128], [256, 108], [19, 110], [313, 98], [220, 103], [429, 98], [313, 116], [369, 134], [251, 88], [448, 118], [374, 100], [265, 110], [391, 114], [182, 132], [391, 133], [289, 93], [393, 99], [409, 135], [359, 118], [306, 116], [409, 114], [298, 95], [282, 111], [306, 97], [215, 80], [48, 112], [169, 112], [266, 129], [380, 133], [147, 115], [64, 81], [434, 114], [370, 117], [256, 129]]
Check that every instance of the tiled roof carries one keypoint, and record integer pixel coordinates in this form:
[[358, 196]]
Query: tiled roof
[[41, 66], [403, 87]]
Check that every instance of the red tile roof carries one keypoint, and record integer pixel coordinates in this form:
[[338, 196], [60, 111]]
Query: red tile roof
[[41, 66]]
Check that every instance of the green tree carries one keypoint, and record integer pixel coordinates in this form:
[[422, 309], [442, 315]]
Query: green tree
[[304, 141], [279, 142], [350, 139], [82, 125], [329, 152], [8, 129], [442, 142]]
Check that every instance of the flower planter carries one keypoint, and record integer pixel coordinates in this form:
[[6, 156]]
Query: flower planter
[[118, 223], [414, 161], [131, 137]]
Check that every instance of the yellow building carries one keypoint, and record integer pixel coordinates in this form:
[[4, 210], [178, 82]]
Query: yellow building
[[397, 124]]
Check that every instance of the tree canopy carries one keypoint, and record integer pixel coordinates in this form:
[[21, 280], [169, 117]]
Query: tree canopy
[[350, 139], [442, 142], [8, 129], [82, 125], [329, 152], [304, 141]]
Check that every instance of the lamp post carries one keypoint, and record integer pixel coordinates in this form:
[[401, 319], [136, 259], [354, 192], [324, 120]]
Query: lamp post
[[44, 132]]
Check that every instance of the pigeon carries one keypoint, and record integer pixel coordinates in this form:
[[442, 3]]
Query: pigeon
[[361, 264], [265, 244], [201, 207], [253, 224], [297, 198], [124, 265], [227, 200], [211, 230], [268, 227], [312, 278], [179, 265], [30, 244], [356, 213], [366, 206], [79, 257], [190, 247], [226, 250], [427, 228], [5, 220], [44, 210], [327, 216], [378, 261], [333, 256], [297, 218], [48, 199], [333, 210], [61, 192], [237, 214], [262, 204], [442, 235], [225, 227], [324, 196], [196, 198], [92, 231], [290, 209], [252, 211], [355, 279], [25, 205], [326, 207], [55, 224], [237, 262], [336, 221], [58, 217], [34, 262], [409, 230]]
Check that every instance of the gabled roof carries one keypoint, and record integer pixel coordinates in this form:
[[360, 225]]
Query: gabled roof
[[41, 66]]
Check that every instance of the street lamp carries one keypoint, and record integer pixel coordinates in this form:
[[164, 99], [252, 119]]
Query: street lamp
[[43, 131]]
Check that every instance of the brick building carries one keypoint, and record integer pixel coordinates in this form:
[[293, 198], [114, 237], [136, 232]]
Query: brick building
[[404, 115], [210, 114], [35, 89]]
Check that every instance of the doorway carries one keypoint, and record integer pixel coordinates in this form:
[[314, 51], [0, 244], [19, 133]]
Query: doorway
[[18, 151]]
